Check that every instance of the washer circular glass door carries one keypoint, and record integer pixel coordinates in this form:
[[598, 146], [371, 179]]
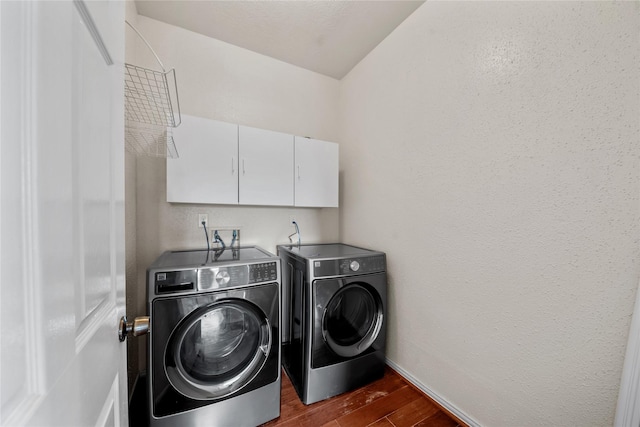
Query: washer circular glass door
[[218, 349], [352, 320]]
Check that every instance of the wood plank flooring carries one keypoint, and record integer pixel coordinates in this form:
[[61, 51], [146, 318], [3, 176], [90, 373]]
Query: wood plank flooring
[[388, 402]]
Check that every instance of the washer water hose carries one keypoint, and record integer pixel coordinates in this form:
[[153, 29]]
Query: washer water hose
[[297, 232], [218, 239]]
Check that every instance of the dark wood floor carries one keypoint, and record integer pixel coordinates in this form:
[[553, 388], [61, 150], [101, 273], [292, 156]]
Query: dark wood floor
[[390, 401]]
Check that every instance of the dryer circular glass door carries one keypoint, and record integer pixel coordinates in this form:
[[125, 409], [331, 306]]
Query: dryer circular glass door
[[218, 349], [352, 320]]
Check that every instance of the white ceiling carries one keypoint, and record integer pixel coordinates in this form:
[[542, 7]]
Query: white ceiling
[[328, 37]]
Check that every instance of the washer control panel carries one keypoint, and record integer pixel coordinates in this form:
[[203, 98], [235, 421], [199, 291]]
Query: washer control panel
[[265, 272], [237, 275], [168, 282], [177, 273], [222, 277]]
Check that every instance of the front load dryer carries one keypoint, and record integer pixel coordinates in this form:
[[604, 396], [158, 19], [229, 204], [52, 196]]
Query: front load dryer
[[334, 318], [214, 346]]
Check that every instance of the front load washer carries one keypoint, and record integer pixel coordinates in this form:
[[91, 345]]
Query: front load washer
[[214, 345], [334, 317]]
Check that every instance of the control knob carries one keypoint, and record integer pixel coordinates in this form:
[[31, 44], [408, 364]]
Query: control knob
[[354, 266], [223, 277]]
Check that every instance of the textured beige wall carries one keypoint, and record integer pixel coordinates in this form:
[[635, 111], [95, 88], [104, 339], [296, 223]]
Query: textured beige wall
[[491, 149], [223, 82]]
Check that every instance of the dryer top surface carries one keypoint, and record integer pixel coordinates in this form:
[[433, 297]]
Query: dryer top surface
[[330, 250]]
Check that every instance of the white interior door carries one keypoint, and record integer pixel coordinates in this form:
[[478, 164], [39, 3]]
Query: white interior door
[[62, 213]]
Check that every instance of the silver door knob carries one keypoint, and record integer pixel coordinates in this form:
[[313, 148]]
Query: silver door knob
[[139, 326]]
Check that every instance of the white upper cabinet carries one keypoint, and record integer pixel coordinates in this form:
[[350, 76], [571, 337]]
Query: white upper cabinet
[[223, 163], [207, 168], [266, 167], [316, 173]]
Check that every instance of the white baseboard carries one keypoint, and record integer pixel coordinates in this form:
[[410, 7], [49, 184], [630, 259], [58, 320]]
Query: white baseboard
[[426, 390]]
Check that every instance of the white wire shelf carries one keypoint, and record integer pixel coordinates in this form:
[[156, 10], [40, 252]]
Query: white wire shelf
[[151, 109], [150, 140], [148, 97]]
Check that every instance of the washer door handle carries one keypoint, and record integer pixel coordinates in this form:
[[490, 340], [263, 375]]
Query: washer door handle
[[266, 339], [139, 326]]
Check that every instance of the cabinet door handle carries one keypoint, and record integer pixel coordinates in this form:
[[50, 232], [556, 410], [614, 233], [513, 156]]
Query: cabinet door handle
[[298, 172], [233, 171], [243, 171]]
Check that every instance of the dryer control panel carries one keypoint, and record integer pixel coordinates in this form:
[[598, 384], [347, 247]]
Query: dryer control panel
[[349, 266]]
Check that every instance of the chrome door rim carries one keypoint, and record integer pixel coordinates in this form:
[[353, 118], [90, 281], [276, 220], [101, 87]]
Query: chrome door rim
[[193, 388], [372, 332]]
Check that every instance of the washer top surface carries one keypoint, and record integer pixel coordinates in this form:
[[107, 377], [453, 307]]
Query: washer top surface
[[202, 257], [329, 250]]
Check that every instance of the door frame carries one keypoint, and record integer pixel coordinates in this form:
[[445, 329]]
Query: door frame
[[628, 410]]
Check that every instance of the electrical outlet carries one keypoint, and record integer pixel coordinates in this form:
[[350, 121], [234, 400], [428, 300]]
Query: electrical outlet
[[205, 218]]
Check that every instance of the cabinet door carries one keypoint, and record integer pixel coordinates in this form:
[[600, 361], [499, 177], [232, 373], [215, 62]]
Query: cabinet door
[[266, 167], [207, 169], [316, 173]]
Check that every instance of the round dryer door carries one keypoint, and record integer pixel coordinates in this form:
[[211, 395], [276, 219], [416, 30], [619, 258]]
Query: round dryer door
[[352, 320], [218, 349]]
